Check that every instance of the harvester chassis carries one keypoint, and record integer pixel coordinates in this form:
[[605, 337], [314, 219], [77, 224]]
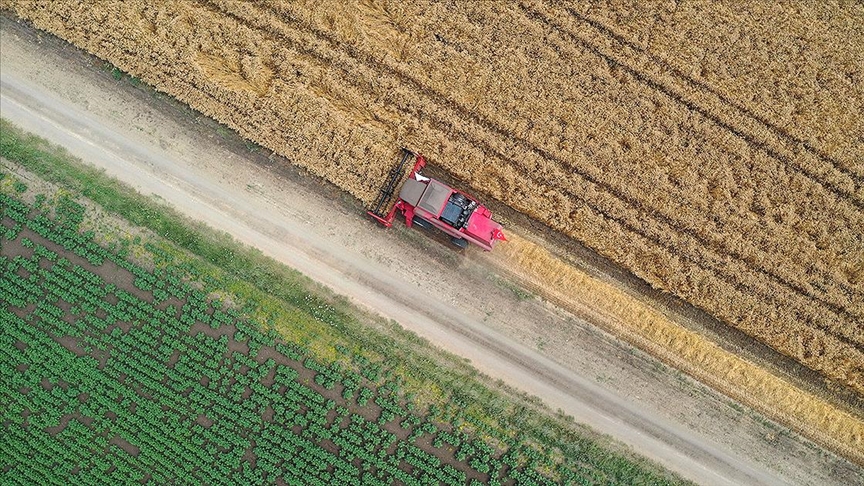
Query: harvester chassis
[[430, 203]]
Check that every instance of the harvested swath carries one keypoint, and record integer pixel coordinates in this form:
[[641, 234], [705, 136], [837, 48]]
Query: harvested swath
[[629, 317], [701, 193]]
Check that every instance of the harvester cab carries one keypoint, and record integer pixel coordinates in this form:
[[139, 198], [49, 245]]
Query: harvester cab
[[429, 203]]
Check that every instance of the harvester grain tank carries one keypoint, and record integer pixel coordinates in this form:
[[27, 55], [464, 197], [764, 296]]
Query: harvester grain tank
[[429, 203]]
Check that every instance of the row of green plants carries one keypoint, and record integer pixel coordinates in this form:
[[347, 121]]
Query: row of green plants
[[147, 376]]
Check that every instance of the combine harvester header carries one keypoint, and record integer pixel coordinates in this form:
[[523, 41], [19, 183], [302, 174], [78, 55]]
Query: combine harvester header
[[430, 203]]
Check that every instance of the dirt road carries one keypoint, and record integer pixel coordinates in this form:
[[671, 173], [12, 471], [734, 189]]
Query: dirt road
[[53, 91]]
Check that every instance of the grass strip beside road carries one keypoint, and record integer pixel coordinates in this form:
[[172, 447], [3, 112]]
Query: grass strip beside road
[[441, 383]]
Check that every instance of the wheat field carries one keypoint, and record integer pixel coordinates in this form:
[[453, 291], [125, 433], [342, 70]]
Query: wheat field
[[713, 150]]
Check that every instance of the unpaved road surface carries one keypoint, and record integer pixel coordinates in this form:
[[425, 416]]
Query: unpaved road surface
[[449, 298]]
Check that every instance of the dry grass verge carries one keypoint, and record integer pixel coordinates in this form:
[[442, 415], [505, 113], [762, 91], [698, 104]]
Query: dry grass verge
[[639, 323]]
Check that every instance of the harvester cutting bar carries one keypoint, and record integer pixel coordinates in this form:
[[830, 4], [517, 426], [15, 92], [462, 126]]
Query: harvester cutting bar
[[396, 173]]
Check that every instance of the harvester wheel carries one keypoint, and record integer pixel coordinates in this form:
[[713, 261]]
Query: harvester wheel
[[462, 243], [421, 223]]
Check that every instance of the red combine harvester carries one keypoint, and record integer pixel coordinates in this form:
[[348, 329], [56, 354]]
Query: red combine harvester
[[430, 203]]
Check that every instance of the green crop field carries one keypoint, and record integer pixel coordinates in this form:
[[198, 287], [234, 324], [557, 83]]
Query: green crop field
[[120, 364]]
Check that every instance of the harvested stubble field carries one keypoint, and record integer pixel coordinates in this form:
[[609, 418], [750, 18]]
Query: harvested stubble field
[[714, 150]]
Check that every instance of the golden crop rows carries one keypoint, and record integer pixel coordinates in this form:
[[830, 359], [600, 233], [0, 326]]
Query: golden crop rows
[[691, 164]]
